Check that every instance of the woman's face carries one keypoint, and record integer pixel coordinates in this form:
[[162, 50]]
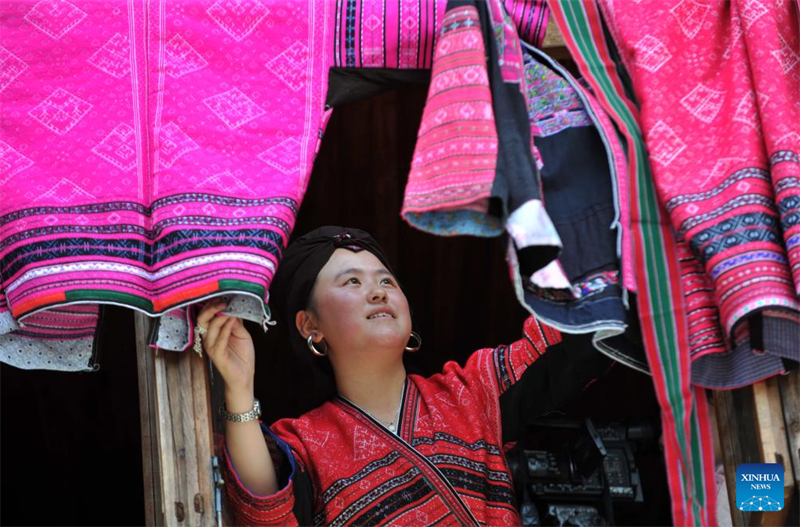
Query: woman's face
[[359, 306]]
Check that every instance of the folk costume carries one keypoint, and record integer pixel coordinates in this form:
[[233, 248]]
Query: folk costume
[[691, 87], [440, 461], [719, 91], [443, 464], [492, 93]]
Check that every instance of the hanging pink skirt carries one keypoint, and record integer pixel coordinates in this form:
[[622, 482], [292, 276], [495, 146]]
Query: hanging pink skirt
[[155, 153], [719, 88]]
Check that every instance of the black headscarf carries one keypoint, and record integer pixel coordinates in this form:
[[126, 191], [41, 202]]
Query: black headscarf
[[302, 261]]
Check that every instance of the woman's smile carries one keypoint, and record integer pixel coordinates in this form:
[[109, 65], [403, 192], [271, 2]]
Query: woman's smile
[[381, 314]]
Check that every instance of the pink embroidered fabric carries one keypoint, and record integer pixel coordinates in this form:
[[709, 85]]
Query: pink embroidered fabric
[[155, 153], [457, 160], [719, 88]]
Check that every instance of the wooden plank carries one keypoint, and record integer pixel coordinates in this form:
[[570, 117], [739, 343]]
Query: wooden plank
[[174, 401], [790, 397], [772, 442], [149, 425], [751, 429], [169, 486], [203, 501], [737, 436], [184, 439]]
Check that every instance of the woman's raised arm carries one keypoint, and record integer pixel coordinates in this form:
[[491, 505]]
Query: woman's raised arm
[[230, 347]]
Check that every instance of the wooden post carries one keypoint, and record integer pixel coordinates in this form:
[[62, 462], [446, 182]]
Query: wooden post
[[177, 446], [737, 437], [790, 399], [772, 441], [149, 424], [755, 425]]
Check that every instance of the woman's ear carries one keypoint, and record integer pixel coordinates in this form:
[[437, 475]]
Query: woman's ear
[[306, 323]]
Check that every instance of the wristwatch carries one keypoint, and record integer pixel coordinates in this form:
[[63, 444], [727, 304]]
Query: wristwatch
[[252, 415]]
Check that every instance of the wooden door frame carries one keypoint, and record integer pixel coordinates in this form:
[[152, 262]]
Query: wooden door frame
[[177, 435]]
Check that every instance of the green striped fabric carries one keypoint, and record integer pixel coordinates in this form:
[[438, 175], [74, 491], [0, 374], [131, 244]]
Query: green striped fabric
[[687, 434]]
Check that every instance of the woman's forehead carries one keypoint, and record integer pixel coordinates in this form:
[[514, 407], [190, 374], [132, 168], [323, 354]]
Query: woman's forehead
[[344, 259]]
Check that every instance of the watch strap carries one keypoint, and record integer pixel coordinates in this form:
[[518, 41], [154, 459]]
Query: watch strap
[[252, 415]]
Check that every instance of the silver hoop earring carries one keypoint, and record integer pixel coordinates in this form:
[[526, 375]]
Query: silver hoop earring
[[314, 350], [414, 349]]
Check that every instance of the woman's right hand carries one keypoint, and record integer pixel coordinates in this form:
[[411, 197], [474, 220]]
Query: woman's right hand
[[230, 347]]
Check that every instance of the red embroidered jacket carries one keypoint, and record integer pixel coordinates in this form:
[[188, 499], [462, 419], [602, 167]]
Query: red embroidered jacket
[[444, 465]]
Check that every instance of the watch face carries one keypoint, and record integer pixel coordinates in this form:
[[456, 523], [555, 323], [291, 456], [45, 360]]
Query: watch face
[[257, 408]]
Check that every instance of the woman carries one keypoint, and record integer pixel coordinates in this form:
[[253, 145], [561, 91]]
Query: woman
[[390, 447]]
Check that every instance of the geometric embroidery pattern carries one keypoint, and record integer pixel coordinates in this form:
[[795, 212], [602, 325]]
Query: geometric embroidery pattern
[[10, 67], [176, 243], [118, 148], [689, 15], [172, 144], [226, 182], [747, 110], [290, 65], [409, 16], [11, 162], [750, 227], [704, 103], [752, 11], [60, 111], [234, 107], [350, 34], [365, 443], [238, 17], [379, 464], [553, 105], [55, 17], [373, 55], [285, 156], [723, 166], [736, 34], [181, 58], [790, 205], [651, 53], [113, 57], [665, 145], [372, 22], [790, 140], [788, 59], [65, 191], [738, 202]]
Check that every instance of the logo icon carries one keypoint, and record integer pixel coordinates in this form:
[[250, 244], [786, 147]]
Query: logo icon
[[759, 487]]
